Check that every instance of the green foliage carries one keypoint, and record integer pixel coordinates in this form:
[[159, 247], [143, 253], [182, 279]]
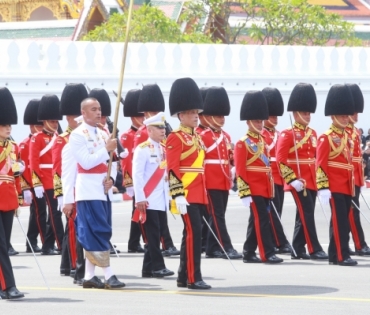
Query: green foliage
[[148, 24]]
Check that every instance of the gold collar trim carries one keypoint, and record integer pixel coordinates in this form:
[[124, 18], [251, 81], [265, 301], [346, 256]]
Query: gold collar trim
[[299, 126], [253, 134], [186, 129], [3, 143], [337, 130], [271, 129]]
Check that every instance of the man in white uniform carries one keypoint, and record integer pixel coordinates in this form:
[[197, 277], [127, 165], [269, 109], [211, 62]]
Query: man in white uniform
[[152, 193], [90, 147]]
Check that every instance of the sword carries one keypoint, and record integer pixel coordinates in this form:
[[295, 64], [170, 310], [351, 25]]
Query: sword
[[277, 214], [296, 157], [29, 244], [360, 211], [223, 249], [365, 200], [323, 211]]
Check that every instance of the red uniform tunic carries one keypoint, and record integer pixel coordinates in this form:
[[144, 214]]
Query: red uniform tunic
[[57, 148], [41, 159], [217, 162], [355, 139], [253, 171], [24, 153], [127, 141], [334, 165], [183, 148], [140, 136], [306, 142], [10, 188], [200, 129], [271, 136]]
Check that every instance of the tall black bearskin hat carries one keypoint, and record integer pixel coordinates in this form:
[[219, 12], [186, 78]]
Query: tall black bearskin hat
[[49, 108], [216, 102], [72, 97], [274, 100], [103, 98], [302, 99], [185, 95], [339, 101], [7, 108], [358, 98], [254, 106], [203, 92], [151, 99], [130, 106], [30, 113]]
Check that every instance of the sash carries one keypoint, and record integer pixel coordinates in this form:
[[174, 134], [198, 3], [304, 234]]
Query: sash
[[337, 150], [216, 143], [258, 153], [273, 143], [6, 152], [48, 147], [154, 180], [300, 143]]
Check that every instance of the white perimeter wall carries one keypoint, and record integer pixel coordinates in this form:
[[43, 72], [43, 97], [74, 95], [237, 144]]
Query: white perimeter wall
[[31, 69]]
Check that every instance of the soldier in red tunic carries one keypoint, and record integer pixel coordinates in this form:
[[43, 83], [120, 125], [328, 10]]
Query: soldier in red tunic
[[10, 192], [70, 106], [270, 134], [127, 141], [185, 157], [217, 171], [295, 156], [37, 218], [254, 179], [334, 169], [358, 236], [41, 166]]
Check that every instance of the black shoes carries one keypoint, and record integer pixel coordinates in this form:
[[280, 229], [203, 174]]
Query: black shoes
[[12, 252], [162, 273], [65, 272], [351, 252], [199, 285], [273, 260], [181, 284], [138, 249], [78, 282], [50, 252], [320, 255], [216, 254], [3, 295], [94, 282], [285, 249], [346, 262], [233, 254], [303, 256], [251, 259], [35, 248], [364, 251], [113, 250], [113, 283], [11, 293], [171, 251]]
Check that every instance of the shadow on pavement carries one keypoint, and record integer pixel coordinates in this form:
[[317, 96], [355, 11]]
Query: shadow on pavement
[[47, 300]]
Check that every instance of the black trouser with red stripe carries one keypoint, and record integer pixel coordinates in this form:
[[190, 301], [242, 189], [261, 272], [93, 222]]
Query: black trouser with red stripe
[[278, 237], [6, 270], [259, 230], [54, 227], [153, 259], [205, 229], [166, 239], [339, 229], [355, 222], [80, 261], [37, 220], [217, 204], [305, 228], [191, 245], [69, 247]]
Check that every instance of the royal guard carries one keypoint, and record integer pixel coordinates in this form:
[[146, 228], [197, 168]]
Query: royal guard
[[202, 123], [127, 141], [270, 134], [295, 157], [70, 106], [37, 218], [41, 167], [217, 171], [254, 180], [10, 192], [358, 236], [334, 172], [185, 158]]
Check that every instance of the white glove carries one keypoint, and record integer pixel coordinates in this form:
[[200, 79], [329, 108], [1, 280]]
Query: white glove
[[247, 201], [60, 203], [124, 154], [297, 185], [324, 196], [39, 191], [27, 196], [130, 191], [363, 188], [181, 204]]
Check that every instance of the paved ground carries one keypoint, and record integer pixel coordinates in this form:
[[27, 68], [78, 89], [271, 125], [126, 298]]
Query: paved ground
[[293, 287]]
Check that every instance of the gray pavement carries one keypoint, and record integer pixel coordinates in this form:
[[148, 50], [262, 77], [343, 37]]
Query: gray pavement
[[293, 287]]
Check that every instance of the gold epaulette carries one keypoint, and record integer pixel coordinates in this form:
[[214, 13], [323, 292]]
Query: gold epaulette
[[242, 139], [64, 134], [328, 132], [144, 144]]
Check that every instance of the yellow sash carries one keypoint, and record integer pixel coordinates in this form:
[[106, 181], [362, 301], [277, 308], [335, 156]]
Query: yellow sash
[[6, 152], [300, 143]]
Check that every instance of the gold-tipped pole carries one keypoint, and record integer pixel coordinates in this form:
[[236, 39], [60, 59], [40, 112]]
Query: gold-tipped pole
[[119, 92]]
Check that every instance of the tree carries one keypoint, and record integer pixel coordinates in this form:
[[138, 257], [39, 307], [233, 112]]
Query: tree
[[277, 22], [148, 24]]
